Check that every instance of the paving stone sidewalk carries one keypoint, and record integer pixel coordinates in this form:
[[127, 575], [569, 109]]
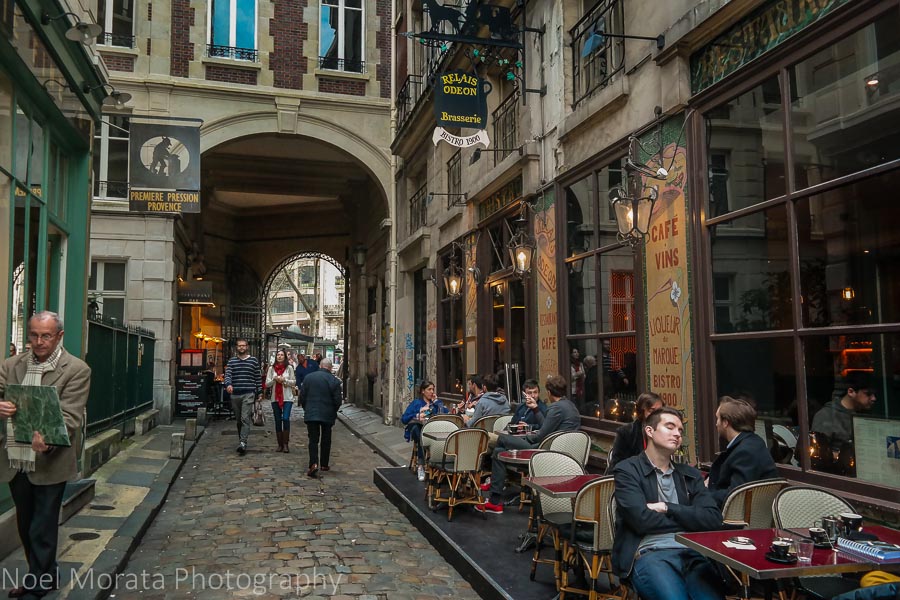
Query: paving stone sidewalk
[[256, 526]]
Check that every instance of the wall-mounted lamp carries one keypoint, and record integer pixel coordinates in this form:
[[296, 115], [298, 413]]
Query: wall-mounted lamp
[[633, 202], [476, 156], [452, 199], [848, 294], [81, 31], [359, 255], [453, 275], [872, 81], [113, 98], [476, 274], [576, 267], [522, 247]]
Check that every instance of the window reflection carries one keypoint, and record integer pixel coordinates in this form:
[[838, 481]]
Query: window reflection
[[745, 149], [850, 254], [839, 101], [752, 287]]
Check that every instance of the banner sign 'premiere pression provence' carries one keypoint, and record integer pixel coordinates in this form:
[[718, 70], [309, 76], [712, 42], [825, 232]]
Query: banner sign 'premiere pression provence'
[[460, 100], [164, 167]]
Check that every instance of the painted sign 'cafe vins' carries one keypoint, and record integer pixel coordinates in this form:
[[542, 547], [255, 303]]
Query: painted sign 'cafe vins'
[[460, 100]]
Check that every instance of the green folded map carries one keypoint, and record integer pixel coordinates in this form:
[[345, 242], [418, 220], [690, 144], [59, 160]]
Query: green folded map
[[37, 409]]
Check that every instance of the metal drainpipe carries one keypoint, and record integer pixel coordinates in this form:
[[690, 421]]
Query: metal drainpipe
[[392, 249]]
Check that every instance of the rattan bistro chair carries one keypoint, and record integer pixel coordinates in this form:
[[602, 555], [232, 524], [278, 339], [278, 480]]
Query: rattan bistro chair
[[576, 444], [460, 469], [799, 507], [457, 419], [749, 506], [500, 423], [589, 538], [552, 512], [624, 591], [434, 449], [485, 423]]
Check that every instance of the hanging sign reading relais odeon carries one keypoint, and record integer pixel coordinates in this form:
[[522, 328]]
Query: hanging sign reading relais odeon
[[460, 100], [164, 165]]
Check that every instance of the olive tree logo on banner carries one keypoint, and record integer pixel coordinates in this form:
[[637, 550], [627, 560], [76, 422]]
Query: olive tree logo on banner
[[460, 100], [164, 166]]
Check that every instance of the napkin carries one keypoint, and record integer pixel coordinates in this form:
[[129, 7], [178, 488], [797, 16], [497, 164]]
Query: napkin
[[739, 546]]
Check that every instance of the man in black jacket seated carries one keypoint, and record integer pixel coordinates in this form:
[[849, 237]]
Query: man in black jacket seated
[[630, 438], [746, 458], [655, 500]]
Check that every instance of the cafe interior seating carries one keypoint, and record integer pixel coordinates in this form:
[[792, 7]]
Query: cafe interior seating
[[434, 449], [799, 507], [551, 512], [460, 468], [749, 506], [588, 539]]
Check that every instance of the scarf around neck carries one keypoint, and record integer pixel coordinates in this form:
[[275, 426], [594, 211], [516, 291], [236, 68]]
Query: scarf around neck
[[279, 369], [21, 456]]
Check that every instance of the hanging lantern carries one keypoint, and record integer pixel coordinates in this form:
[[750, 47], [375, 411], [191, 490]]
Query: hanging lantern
[[521, 249], [633, 212], [453, 279]]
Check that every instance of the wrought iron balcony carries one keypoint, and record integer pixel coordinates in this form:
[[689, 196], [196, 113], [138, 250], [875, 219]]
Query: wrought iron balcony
[[418, 210], [116, 39], [408, 97], [597, 57], [248, 54], [506, 127], [342, 64]]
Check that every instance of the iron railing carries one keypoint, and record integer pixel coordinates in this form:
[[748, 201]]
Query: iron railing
[[418, 210], [248, 54], [409, 94], [111, 189], [116, 39], [121, 360], [595, 57], [506, 129], [342, 64]]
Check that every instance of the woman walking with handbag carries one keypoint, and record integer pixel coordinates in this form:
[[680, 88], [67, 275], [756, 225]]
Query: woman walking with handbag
[[280, 379]]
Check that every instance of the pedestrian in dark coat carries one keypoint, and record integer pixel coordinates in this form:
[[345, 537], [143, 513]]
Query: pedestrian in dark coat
[[630, 438], [321, 397]]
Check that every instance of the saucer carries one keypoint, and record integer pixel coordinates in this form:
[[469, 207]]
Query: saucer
[[783, 561], [824, 545]]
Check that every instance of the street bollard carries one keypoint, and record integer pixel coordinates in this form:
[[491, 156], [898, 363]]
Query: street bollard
[[190, 430], [176, 449], [202, 419]]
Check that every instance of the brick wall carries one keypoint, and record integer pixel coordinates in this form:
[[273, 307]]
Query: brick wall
[[230, 75], [383, 43], [342, 86], [117, 62], [289, 31], [182, 49]]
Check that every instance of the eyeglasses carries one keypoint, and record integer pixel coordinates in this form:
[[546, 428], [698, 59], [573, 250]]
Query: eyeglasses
[[45, 337]]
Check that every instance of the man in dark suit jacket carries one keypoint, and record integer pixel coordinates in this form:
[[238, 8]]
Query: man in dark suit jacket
[[630, 438], [655, 499], [37, 474], [746, 458]]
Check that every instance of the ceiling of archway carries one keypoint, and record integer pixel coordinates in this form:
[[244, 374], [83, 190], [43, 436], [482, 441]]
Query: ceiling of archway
[[284, 173]]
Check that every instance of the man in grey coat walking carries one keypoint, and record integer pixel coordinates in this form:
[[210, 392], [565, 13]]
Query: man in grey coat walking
[[321, 397]]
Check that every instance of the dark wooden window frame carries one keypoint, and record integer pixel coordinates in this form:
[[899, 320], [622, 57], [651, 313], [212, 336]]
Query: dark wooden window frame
[[842, 23], [457, 306]]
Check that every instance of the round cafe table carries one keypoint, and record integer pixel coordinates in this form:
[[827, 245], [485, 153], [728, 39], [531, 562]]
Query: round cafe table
[[521, 458]]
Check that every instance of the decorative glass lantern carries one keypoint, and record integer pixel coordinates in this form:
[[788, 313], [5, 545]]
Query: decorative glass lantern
[[521, 249]]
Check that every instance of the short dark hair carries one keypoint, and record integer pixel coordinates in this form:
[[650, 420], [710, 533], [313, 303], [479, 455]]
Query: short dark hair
[[477, 381], [556, 386], [739, 413], [239, 340], [490, 382], [858, 380], [531, 383], [656, 416], [645, 401]]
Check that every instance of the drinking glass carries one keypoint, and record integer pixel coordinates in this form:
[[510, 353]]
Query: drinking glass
[[805, 550]]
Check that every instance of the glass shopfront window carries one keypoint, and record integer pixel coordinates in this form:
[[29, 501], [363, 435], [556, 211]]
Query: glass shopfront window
[[600, 286], [805, 287], [451, 372]]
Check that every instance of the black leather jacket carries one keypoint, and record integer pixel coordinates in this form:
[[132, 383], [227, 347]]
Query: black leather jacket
[[636, 486]]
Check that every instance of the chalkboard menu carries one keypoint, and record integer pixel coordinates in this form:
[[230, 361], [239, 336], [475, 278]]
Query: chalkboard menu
[[190, 393]]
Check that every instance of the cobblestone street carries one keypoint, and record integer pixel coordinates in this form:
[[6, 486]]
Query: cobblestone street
[[256, 526]]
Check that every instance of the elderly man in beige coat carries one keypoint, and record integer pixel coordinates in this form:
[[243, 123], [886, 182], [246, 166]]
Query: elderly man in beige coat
[[37, 474]]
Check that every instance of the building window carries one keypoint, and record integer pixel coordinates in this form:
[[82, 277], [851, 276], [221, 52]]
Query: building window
[[233, 29], [106, 288], [341, 36], [117, 19], [111, 157], [718, 183], [599, 284], [596, 57], [451, 334], [454, 178], [283, 305], [308, 275], [506, 128], [809, 264]]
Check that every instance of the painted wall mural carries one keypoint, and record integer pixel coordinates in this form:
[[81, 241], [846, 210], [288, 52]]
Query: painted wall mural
[[545, 235]]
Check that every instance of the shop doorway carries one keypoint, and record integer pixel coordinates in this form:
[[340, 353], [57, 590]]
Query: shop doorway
[[510, 316]]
